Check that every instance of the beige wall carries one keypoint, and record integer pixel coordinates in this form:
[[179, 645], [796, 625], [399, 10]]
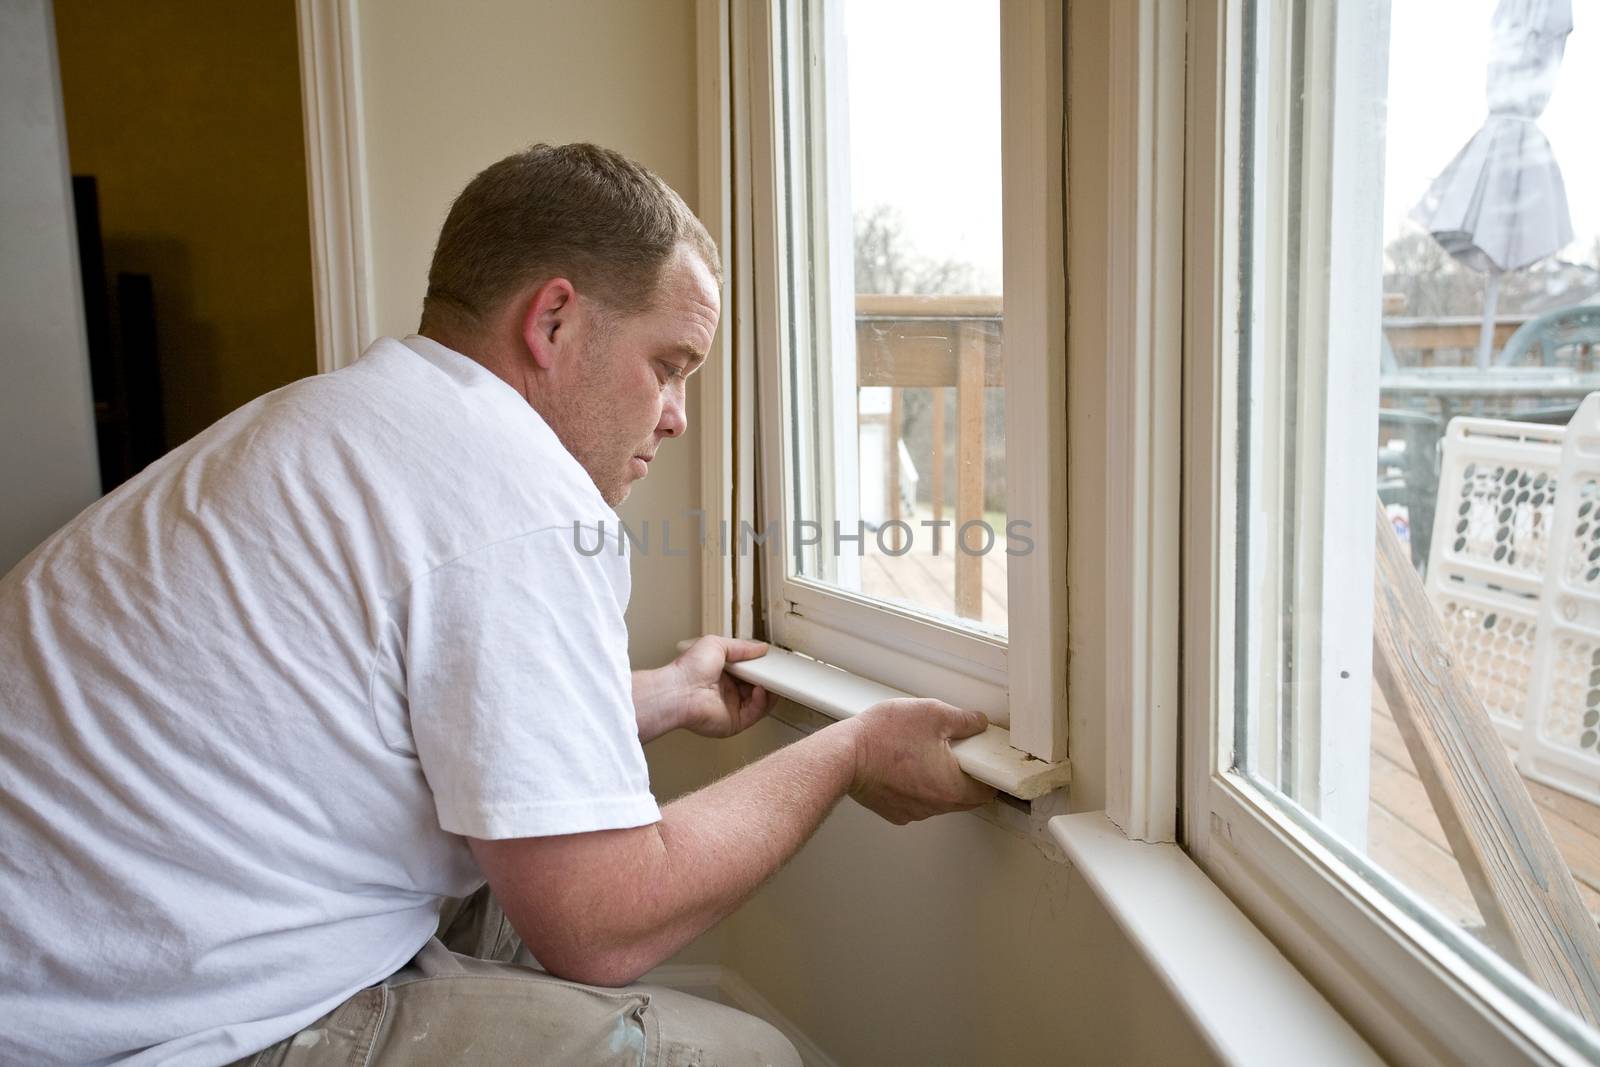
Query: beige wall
[[188, 113], [449, 89], [949, 942]]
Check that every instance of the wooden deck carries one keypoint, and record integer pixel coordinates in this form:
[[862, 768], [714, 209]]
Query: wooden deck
[[1405, 838], [928, 581]]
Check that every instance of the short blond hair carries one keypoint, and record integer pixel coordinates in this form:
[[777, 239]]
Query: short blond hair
[[578, 211]]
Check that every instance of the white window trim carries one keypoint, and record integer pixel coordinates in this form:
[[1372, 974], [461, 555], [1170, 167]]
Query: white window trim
[[1140, 366], [713, 416], [1033, 143], [898, 648], [1408, 982], [1334, 195], [1259, 1009], [336, 180]]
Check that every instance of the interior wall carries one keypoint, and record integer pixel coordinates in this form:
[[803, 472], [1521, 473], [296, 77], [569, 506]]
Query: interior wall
[[188, 114], [948, 942], [450, 88], [46, 411]]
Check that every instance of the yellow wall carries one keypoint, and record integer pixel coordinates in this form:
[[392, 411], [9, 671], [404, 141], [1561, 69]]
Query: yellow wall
[[948, 942], [188, 113]]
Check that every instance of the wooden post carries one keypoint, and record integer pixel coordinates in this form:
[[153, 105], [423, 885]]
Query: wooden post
[[891, 465], [938, 396], [1531, 909], [969, 465]]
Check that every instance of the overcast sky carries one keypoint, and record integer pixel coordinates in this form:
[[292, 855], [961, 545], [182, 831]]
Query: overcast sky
[[1438, 54], [925, 122], [924, 85]]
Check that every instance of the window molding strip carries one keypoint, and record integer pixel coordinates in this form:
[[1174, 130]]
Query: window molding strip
[[715, 416], [1141, 282], [839, 694], [1033, 134]]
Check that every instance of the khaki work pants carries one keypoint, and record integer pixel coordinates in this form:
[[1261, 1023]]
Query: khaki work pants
[[472, 996]]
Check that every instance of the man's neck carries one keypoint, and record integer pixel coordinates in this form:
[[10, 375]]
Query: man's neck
[[495, 358]]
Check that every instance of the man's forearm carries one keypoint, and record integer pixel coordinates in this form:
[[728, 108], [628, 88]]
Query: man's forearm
[[719, 844], [606, 906], [652, 890]]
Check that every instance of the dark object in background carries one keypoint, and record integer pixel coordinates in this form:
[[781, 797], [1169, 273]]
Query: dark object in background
[[92, 265], [124, 371], [144, 425]]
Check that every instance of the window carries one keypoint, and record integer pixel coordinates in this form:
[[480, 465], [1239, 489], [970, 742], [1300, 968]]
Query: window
[[906, 206], [892, 270], [1391, 731]]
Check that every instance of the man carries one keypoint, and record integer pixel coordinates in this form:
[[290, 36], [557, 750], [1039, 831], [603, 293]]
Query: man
[[275, 710]]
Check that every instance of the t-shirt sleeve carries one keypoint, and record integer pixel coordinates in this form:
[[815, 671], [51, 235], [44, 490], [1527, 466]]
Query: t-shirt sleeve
[[520, 693]]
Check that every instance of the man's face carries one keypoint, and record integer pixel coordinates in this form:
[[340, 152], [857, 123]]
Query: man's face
[[629, 390]]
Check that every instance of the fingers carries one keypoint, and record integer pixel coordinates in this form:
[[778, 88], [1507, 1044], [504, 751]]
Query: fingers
[[737, 649], [756, 704], [954, 722], [744, 692], [747, 694], [976, 793], [965, 722], [906, 768]]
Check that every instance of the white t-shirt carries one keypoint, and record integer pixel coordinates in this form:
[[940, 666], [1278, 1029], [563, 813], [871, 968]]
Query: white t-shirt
[[250, 702]]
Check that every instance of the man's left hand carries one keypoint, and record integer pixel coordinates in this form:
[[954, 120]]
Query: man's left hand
[[695, 692]]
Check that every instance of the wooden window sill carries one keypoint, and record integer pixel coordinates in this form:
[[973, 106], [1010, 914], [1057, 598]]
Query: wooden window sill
[[838, 694], [1248, 1002]]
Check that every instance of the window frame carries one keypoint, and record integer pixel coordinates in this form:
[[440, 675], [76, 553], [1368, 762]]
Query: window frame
[[1020, 681], [1412, 983], [1153, 653]]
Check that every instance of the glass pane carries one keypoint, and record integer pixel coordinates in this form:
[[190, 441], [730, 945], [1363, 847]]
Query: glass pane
[[1419, 542], [891, 271]]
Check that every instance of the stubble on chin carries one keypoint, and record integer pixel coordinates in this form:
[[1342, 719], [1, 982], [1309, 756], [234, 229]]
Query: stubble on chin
[[576, 430], [613, 479]]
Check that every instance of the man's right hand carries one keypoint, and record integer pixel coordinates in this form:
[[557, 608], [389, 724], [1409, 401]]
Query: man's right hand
[[905, 770]]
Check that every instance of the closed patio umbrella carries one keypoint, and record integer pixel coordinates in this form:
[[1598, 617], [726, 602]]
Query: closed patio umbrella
[[1500, 205]]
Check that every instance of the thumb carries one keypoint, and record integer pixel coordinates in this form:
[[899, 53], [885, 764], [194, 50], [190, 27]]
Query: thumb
[[965, 723], [735, 649]]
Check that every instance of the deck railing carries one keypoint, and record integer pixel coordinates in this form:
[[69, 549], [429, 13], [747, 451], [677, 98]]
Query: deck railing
[[941, 342], [1443, 340], [938, 343]]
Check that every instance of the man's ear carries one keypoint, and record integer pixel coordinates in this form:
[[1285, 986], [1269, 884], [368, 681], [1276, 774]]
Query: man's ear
[[547, 321]]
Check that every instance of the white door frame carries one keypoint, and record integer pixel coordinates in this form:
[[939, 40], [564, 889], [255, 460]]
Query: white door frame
[[341, 250]]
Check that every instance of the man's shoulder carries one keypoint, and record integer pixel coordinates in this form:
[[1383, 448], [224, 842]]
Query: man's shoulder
[[434, 434]]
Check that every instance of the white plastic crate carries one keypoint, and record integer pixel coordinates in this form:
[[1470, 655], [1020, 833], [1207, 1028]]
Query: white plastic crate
[[1561, 740], [1491, 541]]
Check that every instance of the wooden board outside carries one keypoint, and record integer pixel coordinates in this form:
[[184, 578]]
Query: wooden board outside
[[1519, 881]]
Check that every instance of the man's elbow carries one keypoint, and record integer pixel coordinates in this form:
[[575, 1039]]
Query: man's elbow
[[577, 951], [597, 968]]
